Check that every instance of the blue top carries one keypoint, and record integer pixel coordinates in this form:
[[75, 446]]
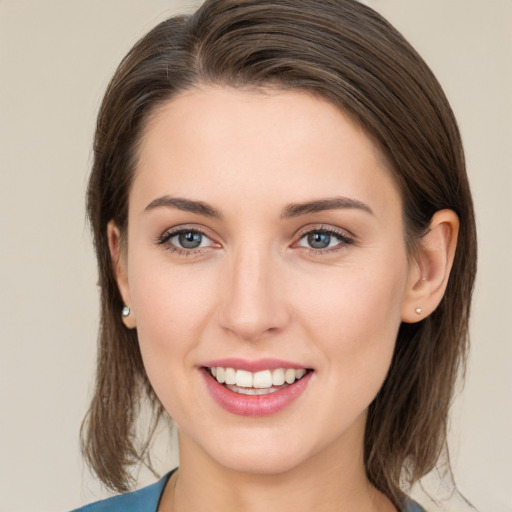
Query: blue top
[[148, 498]]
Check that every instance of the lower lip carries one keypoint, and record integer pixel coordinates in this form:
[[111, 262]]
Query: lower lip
[[255, 405]]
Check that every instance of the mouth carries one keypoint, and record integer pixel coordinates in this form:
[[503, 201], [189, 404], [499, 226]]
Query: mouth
[[255, 387], [257, 383]]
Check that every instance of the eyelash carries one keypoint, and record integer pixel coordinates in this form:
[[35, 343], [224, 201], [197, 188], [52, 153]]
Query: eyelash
[[342, 237], [181, 251]]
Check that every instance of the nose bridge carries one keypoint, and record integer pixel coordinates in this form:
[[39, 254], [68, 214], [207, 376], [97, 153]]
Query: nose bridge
[[253, 302]]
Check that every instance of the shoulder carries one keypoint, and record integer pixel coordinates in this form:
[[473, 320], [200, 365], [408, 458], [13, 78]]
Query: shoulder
[[412, 506], [142, 500]]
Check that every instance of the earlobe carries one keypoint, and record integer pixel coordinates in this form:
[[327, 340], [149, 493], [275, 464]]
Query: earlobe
[[119, 266], [428, 276]]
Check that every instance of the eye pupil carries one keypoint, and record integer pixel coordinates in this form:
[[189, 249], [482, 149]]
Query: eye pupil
[[319, 240], [190, 239]]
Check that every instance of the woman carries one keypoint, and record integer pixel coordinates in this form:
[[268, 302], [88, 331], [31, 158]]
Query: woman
[[286, 245]]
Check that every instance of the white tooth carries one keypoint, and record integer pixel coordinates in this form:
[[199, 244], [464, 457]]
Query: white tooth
[[289, 376], [213, 371], [278, 377], [243, 379], [251, 391], [230, 376], [221, 375], [300, 373], [262, 379]]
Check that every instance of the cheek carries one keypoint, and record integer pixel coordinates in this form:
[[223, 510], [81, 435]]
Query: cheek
[[170, 308], [359, 324], [171, 304], [354, 317]]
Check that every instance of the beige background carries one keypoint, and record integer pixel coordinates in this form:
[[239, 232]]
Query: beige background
[[55, 60]]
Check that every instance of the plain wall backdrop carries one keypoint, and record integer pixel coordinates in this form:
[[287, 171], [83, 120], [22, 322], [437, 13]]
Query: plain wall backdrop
[[56, 58]]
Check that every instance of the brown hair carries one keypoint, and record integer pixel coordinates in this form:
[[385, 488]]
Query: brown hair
[[346, 53]]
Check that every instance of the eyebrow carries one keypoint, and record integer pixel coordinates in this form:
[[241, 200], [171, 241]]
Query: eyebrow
[[335, 203], [291, 210], [186, 205]]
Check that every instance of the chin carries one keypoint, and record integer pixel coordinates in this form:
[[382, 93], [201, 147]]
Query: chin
[[260, 460], [260, 451]]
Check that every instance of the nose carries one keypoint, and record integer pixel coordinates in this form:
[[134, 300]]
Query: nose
[[253, 302]]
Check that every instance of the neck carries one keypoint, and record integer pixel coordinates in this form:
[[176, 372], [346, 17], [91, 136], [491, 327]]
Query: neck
[[331, 480]]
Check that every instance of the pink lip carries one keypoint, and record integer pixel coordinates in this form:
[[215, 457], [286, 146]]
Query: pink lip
[[252, 366], [254, 405]]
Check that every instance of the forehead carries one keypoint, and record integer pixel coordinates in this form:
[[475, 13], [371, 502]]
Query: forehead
[[266, 142]]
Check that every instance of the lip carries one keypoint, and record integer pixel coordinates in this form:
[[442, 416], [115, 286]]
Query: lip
[[254, 405], [253, 366]]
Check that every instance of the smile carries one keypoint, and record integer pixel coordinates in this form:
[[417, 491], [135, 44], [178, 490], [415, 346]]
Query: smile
[[268, 389], [256, 383]]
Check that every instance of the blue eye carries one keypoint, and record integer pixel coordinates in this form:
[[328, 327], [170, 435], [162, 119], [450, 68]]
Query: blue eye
[[185, 240], [321, 239], [189, 239]]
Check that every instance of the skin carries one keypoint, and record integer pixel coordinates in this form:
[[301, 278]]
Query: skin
[[257, 289]]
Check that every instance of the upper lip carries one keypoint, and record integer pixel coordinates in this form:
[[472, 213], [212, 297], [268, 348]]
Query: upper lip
[[256, 365]]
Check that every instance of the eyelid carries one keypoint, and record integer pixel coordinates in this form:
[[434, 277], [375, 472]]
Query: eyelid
[[345, 237], [168, 234]]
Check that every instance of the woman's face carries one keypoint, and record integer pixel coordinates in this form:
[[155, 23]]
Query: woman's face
[[265, 235]]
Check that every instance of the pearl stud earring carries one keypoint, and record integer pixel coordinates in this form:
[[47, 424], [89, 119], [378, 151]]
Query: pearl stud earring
[[418, 311], [125, 311]]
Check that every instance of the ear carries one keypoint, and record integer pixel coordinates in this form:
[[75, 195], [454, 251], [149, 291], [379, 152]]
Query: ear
[[119, 265], [429, 273]]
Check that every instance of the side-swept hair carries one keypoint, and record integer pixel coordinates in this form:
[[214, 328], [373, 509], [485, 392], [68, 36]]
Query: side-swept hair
[[346, 53]]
